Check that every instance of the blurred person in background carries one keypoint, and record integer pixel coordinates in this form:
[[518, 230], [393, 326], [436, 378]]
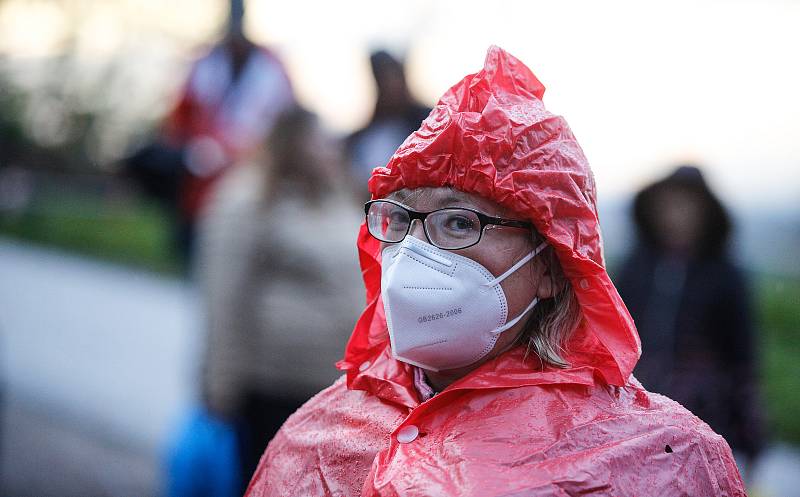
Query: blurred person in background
[[281, 282], [396, 115], [692, 308], [227, 107]]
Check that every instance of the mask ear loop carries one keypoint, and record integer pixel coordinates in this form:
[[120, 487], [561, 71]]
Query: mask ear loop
[[516, 319], [516, 266], [503, 276]]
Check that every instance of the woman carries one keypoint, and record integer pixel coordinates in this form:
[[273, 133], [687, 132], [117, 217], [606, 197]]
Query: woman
[[281, 282], [524, 386]]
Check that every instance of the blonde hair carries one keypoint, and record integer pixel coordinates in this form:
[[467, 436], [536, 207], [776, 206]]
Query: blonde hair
[[553, 320]]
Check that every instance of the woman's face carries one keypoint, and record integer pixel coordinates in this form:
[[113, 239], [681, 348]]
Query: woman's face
[[498, 250]]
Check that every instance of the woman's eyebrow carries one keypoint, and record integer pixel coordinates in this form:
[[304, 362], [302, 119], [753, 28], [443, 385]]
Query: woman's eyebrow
[[454, 200]]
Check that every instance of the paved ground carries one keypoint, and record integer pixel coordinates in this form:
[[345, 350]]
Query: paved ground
[[97, 367], [96, 370]]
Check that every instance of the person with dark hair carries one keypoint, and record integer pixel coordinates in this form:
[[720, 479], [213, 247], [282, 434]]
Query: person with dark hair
[[692, 307], [494, 355], [395, 116]]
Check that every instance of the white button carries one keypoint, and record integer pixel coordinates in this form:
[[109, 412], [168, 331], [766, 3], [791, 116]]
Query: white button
[[584, 284], [407, 434], [364, 366]]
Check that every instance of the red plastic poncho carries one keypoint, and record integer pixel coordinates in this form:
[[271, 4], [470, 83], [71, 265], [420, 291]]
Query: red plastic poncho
[[508, 428]]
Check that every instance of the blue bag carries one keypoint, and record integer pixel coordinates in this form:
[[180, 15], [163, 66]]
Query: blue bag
[[203, 460]]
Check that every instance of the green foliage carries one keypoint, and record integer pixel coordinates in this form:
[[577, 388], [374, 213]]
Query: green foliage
[[779, 320], [130, 232]]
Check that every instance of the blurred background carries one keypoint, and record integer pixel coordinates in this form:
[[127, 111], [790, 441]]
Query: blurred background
[[147, 150]]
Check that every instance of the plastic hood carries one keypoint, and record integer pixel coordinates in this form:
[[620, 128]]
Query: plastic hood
[[491, 135]]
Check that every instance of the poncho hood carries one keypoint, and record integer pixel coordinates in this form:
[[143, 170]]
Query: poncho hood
[[491, 135]]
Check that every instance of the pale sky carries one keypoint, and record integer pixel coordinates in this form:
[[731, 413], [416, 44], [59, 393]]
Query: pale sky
[[642, 85]]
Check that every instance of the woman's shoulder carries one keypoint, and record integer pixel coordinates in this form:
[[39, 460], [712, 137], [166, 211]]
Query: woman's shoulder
[[339, 404], [598, 415], [625, 439], [337, 433]]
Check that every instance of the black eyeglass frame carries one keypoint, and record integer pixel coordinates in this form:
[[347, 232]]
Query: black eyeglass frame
[[484, 219]]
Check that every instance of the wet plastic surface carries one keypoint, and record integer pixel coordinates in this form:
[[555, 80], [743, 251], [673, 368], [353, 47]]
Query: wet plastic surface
[[508, 428]]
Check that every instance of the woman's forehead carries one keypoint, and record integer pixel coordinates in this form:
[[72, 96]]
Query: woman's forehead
[[428, 198]]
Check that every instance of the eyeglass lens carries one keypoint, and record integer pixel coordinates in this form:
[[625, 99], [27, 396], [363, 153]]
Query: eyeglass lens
[[387, 222], [447, 228]]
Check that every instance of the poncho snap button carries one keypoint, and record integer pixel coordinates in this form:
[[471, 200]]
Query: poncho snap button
[[407, 434], [364, 366]]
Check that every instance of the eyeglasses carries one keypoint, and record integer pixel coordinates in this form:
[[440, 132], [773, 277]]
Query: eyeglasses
[[451, 228]]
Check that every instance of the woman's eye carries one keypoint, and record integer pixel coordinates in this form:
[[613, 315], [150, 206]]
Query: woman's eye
[[458, 223]]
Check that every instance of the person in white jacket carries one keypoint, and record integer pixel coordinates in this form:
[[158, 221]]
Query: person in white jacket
[[280, 280]]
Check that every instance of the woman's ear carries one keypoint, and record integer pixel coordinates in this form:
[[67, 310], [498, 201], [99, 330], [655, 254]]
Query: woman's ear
[[550, 279]]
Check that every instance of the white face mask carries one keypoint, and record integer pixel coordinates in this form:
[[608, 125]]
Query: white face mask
[[444, 310]]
